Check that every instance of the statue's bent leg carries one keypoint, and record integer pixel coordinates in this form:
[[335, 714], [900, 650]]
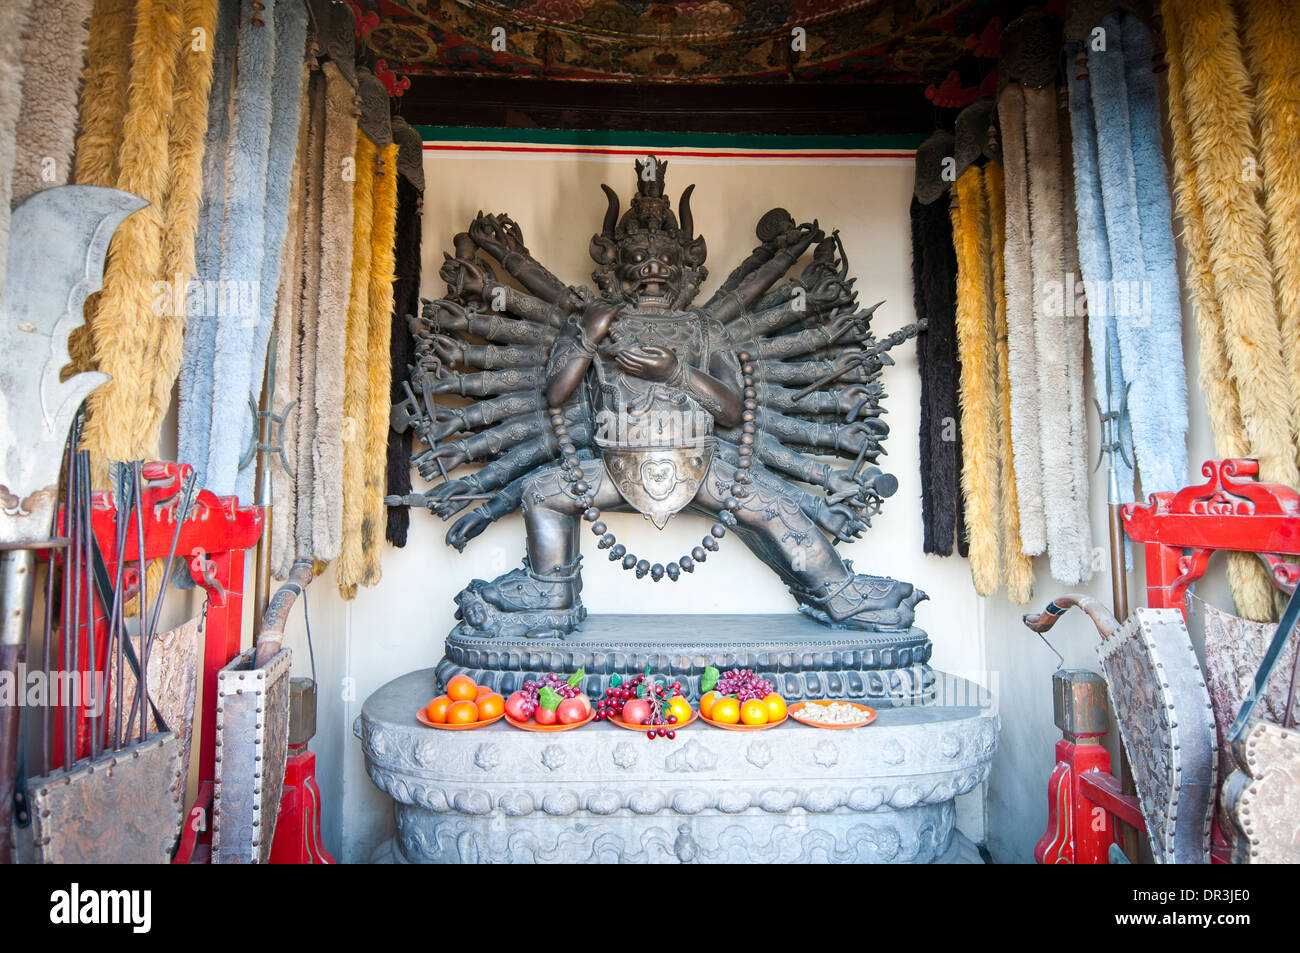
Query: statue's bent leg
[[782, 535], [550, 578]]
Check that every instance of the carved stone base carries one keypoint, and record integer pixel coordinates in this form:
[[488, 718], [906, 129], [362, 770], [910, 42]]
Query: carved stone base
[[880, 794], [802, 658]]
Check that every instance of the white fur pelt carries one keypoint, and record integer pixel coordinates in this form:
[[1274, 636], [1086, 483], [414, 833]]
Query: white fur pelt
[[13, 20], [1045, 342], [54, 52], [1022, 358]]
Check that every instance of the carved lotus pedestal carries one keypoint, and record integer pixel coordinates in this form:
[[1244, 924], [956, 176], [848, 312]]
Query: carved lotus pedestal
[[790, 794]]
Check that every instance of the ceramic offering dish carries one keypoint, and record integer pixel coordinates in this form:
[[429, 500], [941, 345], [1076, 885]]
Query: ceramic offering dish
[[832, 714]]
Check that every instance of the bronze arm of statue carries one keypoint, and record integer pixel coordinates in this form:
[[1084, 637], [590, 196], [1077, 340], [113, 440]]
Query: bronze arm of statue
[[754, 285], [501, 237]]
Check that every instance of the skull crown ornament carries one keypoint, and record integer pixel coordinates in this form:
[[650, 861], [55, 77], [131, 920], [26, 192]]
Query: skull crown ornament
[[630, 396]]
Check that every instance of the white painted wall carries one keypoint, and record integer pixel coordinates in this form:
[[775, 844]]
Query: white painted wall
[[399, 625]]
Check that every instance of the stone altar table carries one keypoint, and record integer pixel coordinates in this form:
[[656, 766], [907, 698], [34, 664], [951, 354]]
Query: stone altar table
[[791, 794]]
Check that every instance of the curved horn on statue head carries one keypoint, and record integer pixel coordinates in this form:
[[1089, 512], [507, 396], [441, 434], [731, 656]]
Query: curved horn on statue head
[[684, 220], [611, 214]]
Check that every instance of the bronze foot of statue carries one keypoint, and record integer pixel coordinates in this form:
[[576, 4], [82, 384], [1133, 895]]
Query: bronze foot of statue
[[873, 603]]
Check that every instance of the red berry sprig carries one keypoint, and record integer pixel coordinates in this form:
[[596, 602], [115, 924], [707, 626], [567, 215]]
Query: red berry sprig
[[657, 693]]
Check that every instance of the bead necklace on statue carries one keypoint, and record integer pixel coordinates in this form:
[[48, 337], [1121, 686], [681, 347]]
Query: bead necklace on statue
[[581, 491]]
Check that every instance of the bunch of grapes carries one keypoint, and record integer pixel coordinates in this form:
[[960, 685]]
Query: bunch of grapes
[[621, 692], [557, 683], [744, 684]]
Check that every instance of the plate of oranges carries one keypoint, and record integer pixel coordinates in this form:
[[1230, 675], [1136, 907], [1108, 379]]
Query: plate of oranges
[[754, 714], [465, 705]]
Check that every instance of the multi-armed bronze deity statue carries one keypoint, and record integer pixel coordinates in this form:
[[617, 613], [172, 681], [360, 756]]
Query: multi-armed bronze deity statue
[[584, 401]]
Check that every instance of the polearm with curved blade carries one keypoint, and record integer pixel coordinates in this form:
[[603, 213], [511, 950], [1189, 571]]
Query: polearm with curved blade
[[57, 242], [1113, 420]]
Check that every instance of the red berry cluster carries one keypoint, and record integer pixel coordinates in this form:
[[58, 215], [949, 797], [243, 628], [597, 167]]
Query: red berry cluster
[[657, 694]]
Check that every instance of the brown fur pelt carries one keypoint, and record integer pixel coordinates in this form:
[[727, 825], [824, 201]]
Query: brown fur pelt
[[977, 351], [379, 363], [1017, 568], [54, 52], [356, 380], [1230, 272]]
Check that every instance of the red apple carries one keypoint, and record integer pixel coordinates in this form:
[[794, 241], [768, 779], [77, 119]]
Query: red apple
[[545, 716], [572, 711], [636, 712], [586, 702], [517, 706]]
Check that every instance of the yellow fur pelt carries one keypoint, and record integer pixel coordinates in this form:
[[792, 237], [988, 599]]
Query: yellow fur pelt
[[1017, 568], [379, 366], [987, 475], [1244, 373], [1273, 55], [143, 118], [977, 351], [356, 388]]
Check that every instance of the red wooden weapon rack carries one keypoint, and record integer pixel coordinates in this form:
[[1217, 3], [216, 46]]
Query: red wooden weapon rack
[[1179, 532], [212, 543]]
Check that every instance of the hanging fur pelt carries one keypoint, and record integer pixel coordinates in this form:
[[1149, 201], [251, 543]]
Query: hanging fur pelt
[[330, 253], [125, 325], [1045, 354], [1020, 324], [1230, 269], [406, 301], [286, 92], [379, 365], [54, 52], [1017, 568], [13, 21], [180, 221], [356, 395], [1251, 588], [977, 393], [287, 366], [200, 342], [1134, 301], [934, 276], [1273, 55], [269, 52]]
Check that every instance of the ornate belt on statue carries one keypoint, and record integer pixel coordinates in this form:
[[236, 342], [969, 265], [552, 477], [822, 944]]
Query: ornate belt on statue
[[658, 481]]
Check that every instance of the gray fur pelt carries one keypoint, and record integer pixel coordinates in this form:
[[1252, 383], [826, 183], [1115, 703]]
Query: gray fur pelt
[[13, 19]]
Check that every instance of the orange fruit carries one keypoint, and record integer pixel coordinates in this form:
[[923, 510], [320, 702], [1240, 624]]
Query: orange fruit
[[462, 713], [462, 689], [484, 690], [775, 706], [706, 704], [726, 710], [490, 705], [753, 712], [681, 708], [437, 710]]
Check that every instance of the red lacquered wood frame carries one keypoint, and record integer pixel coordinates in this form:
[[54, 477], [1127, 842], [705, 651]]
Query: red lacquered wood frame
[[1179, 531], [211, 544]]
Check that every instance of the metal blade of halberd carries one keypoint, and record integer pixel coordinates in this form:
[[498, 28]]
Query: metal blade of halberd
[[57, 242]]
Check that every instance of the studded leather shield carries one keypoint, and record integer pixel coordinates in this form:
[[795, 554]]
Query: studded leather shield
[[1167, 725], [658, 482]]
